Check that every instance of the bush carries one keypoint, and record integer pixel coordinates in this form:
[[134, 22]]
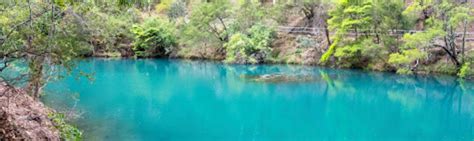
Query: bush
[[108, 27], [164, 6], [177, 10], [361, 54], [441, 66], [306, 42], [402, 61], [67, 131], [155, 37], [348, 55], [207, 28], [466, 71], [253, 48]]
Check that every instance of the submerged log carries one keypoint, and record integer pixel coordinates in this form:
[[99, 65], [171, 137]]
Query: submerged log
[[279, 78]]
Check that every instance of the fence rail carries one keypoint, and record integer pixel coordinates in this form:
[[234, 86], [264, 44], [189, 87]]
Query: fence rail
[[320, 31]]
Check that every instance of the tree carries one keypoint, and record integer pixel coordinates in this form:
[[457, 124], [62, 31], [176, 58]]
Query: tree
[[153, 38], [177, 10], [250, 48], [404, 60], [112, 35], [210, 17], [450, 18], [42, 36], [348, 17], [316, 15], [208, 26]]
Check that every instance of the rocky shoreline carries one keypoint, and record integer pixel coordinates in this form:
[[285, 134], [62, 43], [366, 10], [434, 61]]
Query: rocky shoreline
[[23, 118]]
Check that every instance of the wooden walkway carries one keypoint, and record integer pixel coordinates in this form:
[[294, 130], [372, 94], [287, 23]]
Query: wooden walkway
[[320, 32]]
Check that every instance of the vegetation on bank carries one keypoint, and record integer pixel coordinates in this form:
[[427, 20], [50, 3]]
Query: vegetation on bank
[[68, 132], [422, 36]]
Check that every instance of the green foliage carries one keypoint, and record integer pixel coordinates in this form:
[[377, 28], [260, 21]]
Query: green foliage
[[108, 28], [378, 18], [306, 42], [251, 13], [440, 67], [44, 39], [422, 39], [164, 6], [363, 30], [327, 55], [388, 15], [360, 18], [210, 18], [348, 55], [459, 15], [67, 131], [360, 54], [238, 47], [403, 61], [211, 24], [177, 10], [154, 37], [206, 29], [412, 13], [252, 48], [466, 70], [350, 15]]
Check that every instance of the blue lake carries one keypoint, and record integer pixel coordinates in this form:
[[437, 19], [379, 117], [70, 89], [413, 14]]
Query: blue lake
[[160, 99]]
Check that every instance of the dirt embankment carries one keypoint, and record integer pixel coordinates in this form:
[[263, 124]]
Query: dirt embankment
[[23, 118]]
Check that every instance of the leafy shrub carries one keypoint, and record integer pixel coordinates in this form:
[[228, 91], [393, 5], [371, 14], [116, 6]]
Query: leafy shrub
[[360, 54], [328, 54], [177, 10], [108, 27], [163, 6], [348, 55], [441, 66], [306, 42], [238, 47], [251, 13], [67, 131], [252, 48], [412, 13], [210, 18], [466, 70], [402, 61], [206, 29], [421, 39], [154, 37]]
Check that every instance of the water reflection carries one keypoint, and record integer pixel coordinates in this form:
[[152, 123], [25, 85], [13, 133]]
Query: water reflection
[[166, 99]]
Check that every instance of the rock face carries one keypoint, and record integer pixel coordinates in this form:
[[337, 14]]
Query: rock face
[[23, 118]]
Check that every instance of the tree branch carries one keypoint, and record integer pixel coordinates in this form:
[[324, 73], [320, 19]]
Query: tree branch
[[452, 56]]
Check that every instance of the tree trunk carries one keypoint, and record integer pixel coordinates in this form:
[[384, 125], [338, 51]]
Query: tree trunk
[[463, 41], [453, 58], [328, 38], [36, 82]]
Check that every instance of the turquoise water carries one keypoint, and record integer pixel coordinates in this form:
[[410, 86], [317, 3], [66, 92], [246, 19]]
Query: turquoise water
[[195, 100]]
